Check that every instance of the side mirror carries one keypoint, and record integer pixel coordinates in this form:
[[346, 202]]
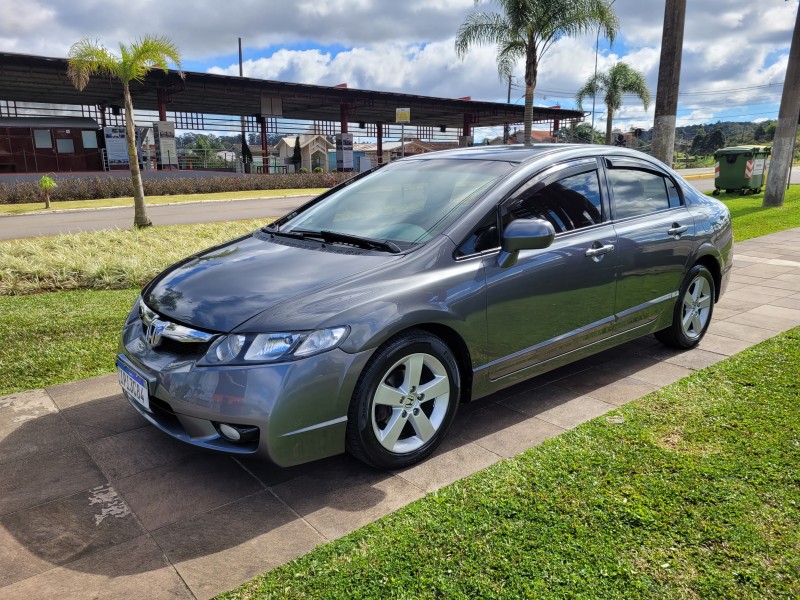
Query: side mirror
[[524, 234]]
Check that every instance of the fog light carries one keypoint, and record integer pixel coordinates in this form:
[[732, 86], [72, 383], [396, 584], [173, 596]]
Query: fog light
[[237, 434], [230, 433]]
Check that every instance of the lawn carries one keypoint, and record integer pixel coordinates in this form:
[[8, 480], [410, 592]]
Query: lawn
[[751, 220], [16, 209], [106, 260], [690, 492], [59, 337]]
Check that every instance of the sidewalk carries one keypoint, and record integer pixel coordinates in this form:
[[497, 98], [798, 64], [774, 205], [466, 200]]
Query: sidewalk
[[96, 502]]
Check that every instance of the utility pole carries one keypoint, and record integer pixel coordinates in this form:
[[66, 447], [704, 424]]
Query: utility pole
[[669, 76], [507, 127], [245, 163], [785, 132]]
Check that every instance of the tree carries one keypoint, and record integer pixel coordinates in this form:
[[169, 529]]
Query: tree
[[583, 132], [698, 144], [618, 80], [785, 131], [297, 156], [47, 185], [669, 75], [714, 140], [760, 133], [87, 58], [526, 29]]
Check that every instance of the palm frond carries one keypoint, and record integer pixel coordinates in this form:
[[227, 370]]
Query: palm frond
[[87, 58], [590, 88], [481, 29]]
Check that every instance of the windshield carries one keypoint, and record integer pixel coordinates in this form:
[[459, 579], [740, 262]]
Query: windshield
[[406, 203]]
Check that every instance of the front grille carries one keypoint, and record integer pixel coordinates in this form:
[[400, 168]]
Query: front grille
[[182, 348], [169, 337]]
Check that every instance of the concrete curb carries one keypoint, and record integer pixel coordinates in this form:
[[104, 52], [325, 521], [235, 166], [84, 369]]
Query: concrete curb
[[70, 210]]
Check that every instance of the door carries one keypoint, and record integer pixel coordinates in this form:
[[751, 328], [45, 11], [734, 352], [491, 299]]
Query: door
[[655, 236], [554, 300]]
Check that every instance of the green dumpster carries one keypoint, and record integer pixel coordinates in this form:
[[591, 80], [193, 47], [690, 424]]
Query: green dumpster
[[741, 168]]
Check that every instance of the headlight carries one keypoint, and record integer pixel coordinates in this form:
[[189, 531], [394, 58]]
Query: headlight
[[271, 347]]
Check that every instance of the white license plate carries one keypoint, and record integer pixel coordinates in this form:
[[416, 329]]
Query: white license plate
[[133, 384]]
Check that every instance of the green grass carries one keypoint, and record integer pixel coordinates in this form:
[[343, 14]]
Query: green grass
[[106, 260], [695, 494], [751, 220], [16, 209], [55, 338]]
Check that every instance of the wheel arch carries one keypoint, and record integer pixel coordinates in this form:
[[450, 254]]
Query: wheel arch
[[457, 346], [712, 264]]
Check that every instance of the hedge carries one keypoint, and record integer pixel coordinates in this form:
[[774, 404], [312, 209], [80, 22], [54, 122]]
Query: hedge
[[88, 188]]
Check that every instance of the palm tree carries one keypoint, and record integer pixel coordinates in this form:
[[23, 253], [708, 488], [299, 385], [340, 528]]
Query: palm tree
[[618, 80], [526, 29], [87, 58]]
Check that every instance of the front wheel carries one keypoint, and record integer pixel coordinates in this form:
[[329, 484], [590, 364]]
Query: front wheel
[[404, 402], [693, 310]]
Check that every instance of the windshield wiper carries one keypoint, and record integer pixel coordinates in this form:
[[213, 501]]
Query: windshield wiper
[[361, 242], [277, 232]]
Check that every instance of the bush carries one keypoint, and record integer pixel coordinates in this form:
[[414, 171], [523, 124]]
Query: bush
[[317, 169], [90, 188], [303, 170]]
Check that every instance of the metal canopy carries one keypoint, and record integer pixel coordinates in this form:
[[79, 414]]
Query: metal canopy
[[27, 78]]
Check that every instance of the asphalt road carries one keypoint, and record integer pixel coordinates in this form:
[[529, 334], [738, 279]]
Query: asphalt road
[[71, 221]]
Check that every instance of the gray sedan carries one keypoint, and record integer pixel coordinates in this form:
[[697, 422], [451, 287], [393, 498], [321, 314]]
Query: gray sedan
[[360, 321]]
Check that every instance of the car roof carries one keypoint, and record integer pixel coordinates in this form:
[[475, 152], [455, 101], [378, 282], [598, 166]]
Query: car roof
[[519, 153], [516, 153]]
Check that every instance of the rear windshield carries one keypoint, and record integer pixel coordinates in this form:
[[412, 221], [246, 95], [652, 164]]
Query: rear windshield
[[407, 202]]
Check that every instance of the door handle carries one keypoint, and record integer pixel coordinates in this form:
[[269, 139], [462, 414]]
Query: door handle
[[677, 229], [599, 251]]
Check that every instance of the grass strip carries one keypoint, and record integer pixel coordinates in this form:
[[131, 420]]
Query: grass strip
[[16, 209], [60, 337], [106, 260], [751, 220], [693, 493]]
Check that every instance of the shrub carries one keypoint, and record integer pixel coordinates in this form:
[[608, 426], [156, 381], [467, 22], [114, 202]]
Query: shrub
[[88, 188], [317, 169], [303, 170]]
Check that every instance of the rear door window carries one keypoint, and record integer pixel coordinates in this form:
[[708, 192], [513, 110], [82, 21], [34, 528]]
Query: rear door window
[[637, 192]]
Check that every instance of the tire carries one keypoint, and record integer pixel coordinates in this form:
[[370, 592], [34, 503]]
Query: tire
[[394, 420], [715, 192], [693, 310]]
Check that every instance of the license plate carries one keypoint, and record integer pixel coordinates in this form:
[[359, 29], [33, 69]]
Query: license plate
[[133, 384]]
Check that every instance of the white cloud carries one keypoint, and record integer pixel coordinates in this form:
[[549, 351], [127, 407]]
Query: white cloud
[[408, 46]]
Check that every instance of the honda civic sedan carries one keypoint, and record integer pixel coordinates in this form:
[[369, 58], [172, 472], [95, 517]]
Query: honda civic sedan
[[360, 321]]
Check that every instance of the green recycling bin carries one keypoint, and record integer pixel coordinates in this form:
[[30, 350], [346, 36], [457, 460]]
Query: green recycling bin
[[741, 168]]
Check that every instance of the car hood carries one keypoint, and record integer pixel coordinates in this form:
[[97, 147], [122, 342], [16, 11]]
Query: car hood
[[227, 285]]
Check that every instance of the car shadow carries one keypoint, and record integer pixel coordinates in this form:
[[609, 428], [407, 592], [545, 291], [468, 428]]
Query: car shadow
[[78, 482]]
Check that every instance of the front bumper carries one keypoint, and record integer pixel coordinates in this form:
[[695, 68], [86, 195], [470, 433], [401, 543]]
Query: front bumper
[[299, 407]]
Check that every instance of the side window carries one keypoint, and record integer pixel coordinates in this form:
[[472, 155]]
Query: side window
[[569, 203], [639, 192], [672, 192], [485, 237]]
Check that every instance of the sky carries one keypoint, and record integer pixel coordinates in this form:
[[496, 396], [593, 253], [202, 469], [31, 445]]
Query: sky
[[734, 53]]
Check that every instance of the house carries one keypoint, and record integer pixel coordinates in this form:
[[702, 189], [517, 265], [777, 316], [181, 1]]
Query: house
[[394, 150], [41, 144], [313, 151]]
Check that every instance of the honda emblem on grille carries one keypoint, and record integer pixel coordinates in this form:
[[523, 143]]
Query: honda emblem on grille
[[154, 331]]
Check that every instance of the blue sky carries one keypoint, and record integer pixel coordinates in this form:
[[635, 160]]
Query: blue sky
[[734, 56]]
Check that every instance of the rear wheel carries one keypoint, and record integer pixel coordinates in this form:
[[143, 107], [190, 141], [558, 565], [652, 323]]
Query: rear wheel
[[404, 402], [693, 310]]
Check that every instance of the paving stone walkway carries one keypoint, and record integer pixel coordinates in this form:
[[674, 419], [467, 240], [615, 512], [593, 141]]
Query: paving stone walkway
[[94, 502]]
